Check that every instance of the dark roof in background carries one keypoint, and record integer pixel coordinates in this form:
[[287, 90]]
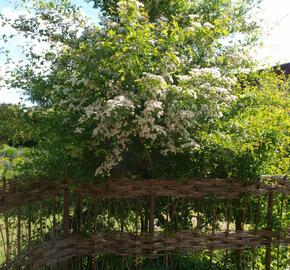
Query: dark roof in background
[[284, 68]]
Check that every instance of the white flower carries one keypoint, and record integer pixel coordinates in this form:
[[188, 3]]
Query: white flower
[[208, 25], [191, 144], [186, 114], [196, 24], [119, 101], [79, 130], [222, 90], [190, 29], [193, 16], [113, 24], [184, 78], [152, 106], [213, 72], [152, 42]]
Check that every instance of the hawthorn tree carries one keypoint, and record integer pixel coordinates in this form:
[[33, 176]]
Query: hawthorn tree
[[135, 92]]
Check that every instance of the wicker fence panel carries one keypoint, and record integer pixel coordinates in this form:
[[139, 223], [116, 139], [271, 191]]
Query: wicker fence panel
[[56, 251], [53, 236], [23, 193]]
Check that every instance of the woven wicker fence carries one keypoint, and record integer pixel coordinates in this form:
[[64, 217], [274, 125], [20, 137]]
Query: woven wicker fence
[[53, 238], [56, 251], [16, 194]]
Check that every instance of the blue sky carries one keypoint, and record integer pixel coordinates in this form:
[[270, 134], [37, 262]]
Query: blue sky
[[276, 49]]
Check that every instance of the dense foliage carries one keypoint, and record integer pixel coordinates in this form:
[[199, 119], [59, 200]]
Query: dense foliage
[[14, 128]]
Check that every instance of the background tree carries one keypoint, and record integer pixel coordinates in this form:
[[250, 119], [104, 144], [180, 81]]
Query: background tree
[[14, 128]]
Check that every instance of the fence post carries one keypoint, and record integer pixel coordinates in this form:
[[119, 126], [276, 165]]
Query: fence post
[[6, 222], [151, 220], [239, 228], [65, 219], [151, 214], [53, 218], [41, 222], [78, 213], [212, 233], [78, 225], [29, 227], [65, 212], [136, 218], [18, 231], [269, 230]]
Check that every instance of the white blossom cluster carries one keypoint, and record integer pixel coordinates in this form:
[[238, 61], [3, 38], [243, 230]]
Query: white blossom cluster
[[195, 24], [152, 116]]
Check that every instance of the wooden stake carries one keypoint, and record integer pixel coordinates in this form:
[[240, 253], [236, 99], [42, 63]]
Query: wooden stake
[[122, 214], [137, 218], [212, 232], [6, 221], [29, 227], [269, 229], [3, 241], [18, 231], [78, 214], [151, 220], [53, 218], [65, 219], [41, 222], [151, 214], [66, 212]]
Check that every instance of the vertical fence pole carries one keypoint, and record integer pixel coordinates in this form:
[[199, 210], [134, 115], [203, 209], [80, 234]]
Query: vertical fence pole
[[6, 221], [53, 218], [239, 228], [41, 222], [151, 214], [151, 219], [94, 211], [269, 229], [227, 232], [65, 219], [18, 236], [29, 227], [136, 218], [198, 217], [143, 227], [280, 228], [79, 211], [122, 204], [18, 231], [78, 224], [212, 233], [65, 212]]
